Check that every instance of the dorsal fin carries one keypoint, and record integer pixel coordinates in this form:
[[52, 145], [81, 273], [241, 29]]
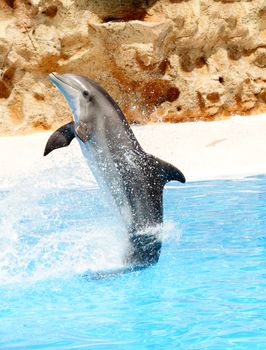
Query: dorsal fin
[[171, 173], [167, 171], [60, 138]]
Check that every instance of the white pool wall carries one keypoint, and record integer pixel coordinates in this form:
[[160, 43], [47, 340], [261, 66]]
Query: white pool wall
[[231, 148]]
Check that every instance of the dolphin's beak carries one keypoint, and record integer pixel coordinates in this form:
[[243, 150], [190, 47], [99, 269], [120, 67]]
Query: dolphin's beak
[[53, 75], [61, 81], [55, 78]]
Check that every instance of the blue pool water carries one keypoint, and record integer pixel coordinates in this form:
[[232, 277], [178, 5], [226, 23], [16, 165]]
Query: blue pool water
[[208, 290]]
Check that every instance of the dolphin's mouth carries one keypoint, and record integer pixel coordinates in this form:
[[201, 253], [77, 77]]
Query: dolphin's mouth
[[66, 85], [59, 80]]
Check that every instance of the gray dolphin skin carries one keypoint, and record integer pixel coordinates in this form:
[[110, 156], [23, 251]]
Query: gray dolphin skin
[[133, 179]]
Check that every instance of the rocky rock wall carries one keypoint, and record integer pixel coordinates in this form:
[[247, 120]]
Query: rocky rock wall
[[164, 60]]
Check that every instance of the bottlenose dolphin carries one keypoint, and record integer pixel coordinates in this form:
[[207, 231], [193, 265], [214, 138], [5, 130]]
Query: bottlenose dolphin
[[133, 179]]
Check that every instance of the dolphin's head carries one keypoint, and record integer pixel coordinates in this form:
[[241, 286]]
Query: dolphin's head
[[81, 94]]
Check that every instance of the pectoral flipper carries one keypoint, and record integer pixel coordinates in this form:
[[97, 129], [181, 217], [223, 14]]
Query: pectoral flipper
[[62, 137]]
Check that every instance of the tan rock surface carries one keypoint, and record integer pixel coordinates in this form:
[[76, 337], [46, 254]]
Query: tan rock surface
[[168, 60]]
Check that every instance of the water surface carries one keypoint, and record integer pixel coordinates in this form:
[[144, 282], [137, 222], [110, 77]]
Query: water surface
[[207, 291]]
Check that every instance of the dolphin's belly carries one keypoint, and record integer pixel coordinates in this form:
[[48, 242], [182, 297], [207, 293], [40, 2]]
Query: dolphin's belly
[[105, 173], [124, 186]]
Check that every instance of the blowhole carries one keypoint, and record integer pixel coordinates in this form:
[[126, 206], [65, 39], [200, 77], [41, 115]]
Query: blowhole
[[221, 80]]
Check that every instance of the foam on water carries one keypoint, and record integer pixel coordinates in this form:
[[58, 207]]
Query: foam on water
[[39, 240], [55, 224]]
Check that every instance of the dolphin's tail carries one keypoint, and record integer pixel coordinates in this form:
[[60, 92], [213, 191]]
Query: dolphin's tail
[[144, 251]]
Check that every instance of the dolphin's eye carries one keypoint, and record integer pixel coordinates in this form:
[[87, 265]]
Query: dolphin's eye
[[85, 93]]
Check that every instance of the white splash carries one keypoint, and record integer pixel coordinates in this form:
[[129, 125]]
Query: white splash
[[35, 241], [39, 236]]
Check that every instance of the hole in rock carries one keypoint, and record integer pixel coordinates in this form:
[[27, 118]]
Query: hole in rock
[[158, 91], [120, 10], [129, 16], [213, 97], [200, 62], [10, 3], [6, 82], [163, 66], [51, 11], [4, 90], [38, 97], [201, 101]]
